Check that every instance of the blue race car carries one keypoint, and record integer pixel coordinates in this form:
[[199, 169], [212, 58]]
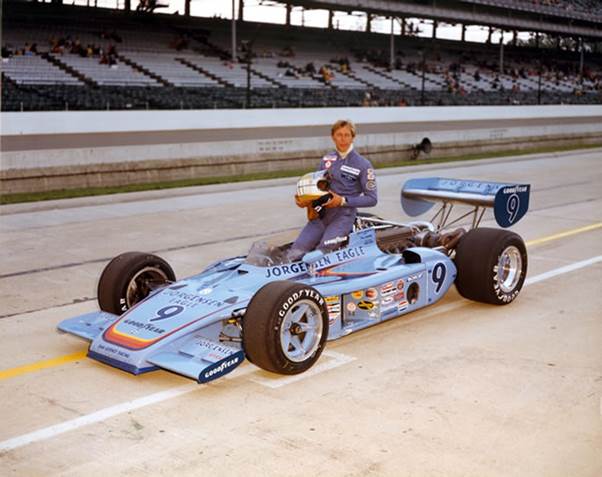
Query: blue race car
[[279, 315]]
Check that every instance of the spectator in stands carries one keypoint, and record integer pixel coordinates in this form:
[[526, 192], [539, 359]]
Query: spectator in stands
[[287, 52], [352, 184]]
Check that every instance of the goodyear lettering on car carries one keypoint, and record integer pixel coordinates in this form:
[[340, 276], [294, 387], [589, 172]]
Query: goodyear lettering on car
[[296, 296], [222, 367]]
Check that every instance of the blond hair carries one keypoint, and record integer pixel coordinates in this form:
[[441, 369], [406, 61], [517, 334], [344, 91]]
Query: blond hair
[[342, 123]]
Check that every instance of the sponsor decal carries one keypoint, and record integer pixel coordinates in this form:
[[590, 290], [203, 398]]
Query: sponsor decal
[[327, 164], [332, 299], [349, 253], [358, 295], [387, 289], [190, 300], [371, 185], [113, 350], [332, 317], [402, 306], [282, 270], [413, 278], [386, 301], [335, 240], [371, 293], [221, 368], [365, 305], [214, 351], [400, 285], [139, 326], [351, 307], [205, 291], [370, 174], [399, 296]]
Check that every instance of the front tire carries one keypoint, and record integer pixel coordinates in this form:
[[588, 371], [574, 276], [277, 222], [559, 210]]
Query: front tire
[[129, 278], [492, 265], [285, 327]]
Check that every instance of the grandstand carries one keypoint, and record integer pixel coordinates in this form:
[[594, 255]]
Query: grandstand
[[60, 57]]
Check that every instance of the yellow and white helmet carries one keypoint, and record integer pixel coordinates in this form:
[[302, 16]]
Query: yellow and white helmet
[[313, 185]]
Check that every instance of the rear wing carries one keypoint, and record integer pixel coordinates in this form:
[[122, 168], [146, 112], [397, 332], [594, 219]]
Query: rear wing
[[510, 202]]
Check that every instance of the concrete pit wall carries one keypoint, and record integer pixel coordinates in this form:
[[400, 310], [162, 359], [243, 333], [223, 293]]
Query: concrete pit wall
[[61, 150]]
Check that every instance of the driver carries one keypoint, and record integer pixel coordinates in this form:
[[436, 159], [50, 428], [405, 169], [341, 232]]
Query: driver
[[352, 184]]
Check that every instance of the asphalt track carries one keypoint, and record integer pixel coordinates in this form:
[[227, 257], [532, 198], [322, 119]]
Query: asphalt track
[[456, 389]]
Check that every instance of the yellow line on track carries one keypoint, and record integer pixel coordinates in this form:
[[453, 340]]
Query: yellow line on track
[[568, 233], [68, 358], [47, 363]]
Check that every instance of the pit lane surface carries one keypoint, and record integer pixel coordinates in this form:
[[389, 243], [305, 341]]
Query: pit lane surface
[[459, 388]]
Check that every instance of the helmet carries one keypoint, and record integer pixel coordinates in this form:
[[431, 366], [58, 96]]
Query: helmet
[[313, 185]]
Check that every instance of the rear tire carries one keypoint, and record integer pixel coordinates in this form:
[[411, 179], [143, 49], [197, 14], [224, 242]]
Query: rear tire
[[492, 265], [129, 278], [285, 327]]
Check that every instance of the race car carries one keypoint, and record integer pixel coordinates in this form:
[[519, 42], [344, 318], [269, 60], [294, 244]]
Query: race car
[[279, 314]]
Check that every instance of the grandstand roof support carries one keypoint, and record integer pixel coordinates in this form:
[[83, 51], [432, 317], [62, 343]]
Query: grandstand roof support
[[233, 31], [502, 54], [463, 39], [392, 45], [368, 22], [489, 36], [241, 9], [187, 8], [288, 14], [514, 37], [330, 17], [580, 56]]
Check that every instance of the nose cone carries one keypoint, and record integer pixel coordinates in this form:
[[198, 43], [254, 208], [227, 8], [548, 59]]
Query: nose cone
[[167, 312]]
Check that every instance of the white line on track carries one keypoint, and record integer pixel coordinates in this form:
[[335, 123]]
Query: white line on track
[[94, 417], [562, 270], [337, 359]]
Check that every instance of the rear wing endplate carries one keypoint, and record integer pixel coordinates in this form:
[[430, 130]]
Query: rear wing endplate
[[510, 202]]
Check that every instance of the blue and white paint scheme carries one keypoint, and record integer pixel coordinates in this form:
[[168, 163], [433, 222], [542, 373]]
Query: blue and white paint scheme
[[193, 326]]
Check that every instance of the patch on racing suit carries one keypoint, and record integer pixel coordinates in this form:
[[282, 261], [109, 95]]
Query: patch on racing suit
[[350, 170]]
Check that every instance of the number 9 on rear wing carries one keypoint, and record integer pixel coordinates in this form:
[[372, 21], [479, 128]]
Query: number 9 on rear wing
[[510, 202]]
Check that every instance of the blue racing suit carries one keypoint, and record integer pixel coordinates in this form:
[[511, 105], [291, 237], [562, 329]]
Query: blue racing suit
[[351, 177]]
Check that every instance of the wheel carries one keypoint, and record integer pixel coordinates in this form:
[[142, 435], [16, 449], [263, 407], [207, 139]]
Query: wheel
[[492, 265], [285, 327], [129, 278]]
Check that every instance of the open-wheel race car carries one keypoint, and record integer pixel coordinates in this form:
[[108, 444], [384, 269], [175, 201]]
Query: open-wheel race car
[[279, 315]]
